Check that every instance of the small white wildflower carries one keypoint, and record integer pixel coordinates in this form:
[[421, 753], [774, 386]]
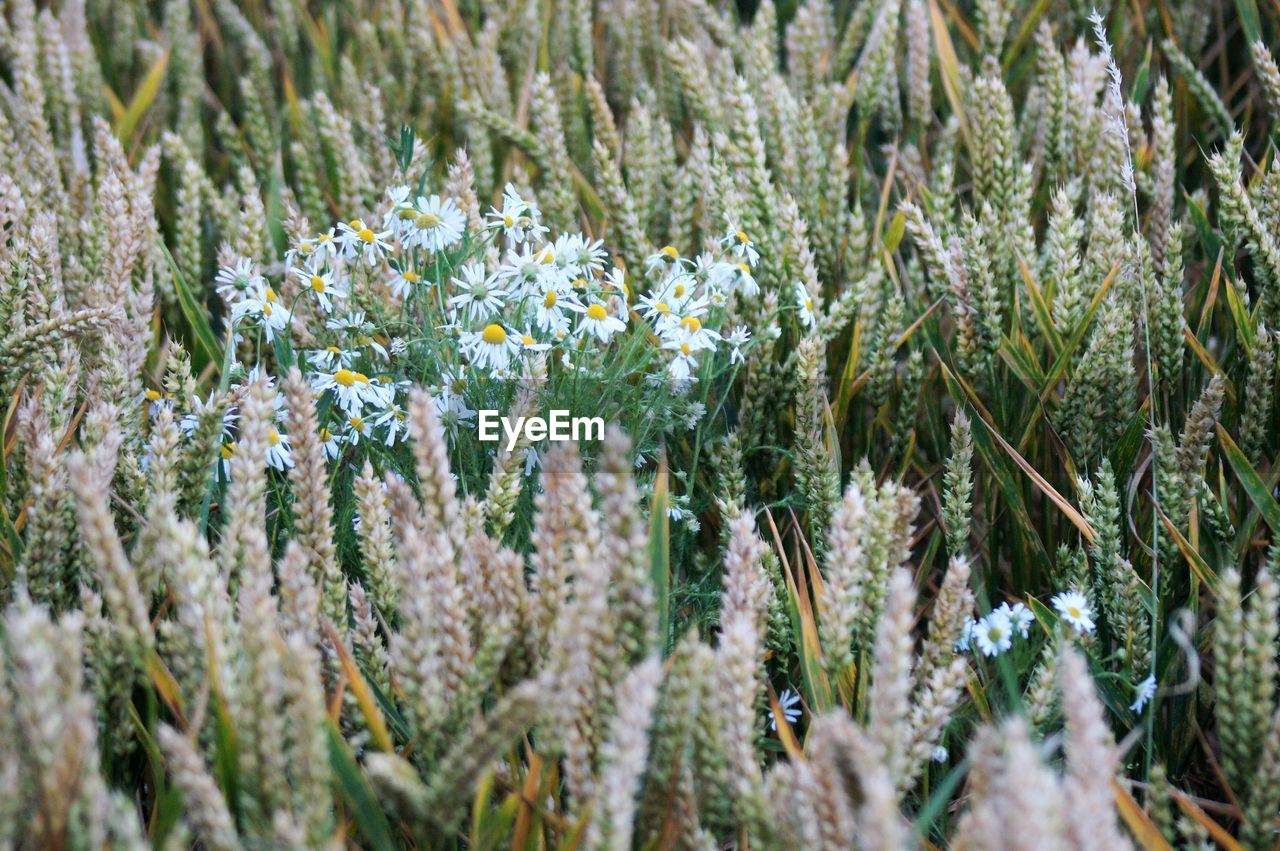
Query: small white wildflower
[[807, 313], [737, 241], [404, 282], [279, 450], [940, 754], [436, 225], [597, 322], [489, 348], [789, 703], [479, 297], [359, 241], [1075, 610], [994, 634], [352, 390], [1020, 617], [1143, 692], [738, 338], [233, 282]]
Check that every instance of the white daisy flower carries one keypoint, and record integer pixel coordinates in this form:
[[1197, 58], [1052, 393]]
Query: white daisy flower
[[1143, 693], [965, 642], [225, 455], [789, 703], [994, 634], [685, 360], [279, 450], [691, 330], [352, 390], [737, 241], [1075, 610], [490, 348], [807, 313], [263, 304], [1020, 617], [356, 427], [358, 241], [326, 247], [403, 283], [395, 420], [479, 297], [518, 219], [746, 282], [237, 280], [400, 211], [657, 311], [678, 290], [526, 342], [597, 322], [331, 442], [662, 259], [330, 358], [320, 284], [437, 224], [738, 338], [576, 255], [549, 309], [528, 270]]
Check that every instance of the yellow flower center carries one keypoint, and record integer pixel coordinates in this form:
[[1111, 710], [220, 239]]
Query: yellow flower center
[[746, 270], [154, 395], [228, 449], [427, 220], [508, 221], [494, 335], [679, 291], [345, 377], [273, 437], [266, 310], [597, 312], [325, 435], [685, 349], [333, 350], [527, 340], [357, 423], [550, 299], [546, 256], [269, 295], [691, 324], [662, 307], [356, 224], [366, 235], [317, 283], [411, 277], [742, 237], [406, 214], [670, 252]]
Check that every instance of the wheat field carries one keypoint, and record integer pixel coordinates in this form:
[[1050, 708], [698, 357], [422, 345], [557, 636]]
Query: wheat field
[[931, 347]]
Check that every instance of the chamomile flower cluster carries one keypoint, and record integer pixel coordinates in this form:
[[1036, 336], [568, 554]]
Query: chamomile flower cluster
[[417, 293], [994, 634]]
